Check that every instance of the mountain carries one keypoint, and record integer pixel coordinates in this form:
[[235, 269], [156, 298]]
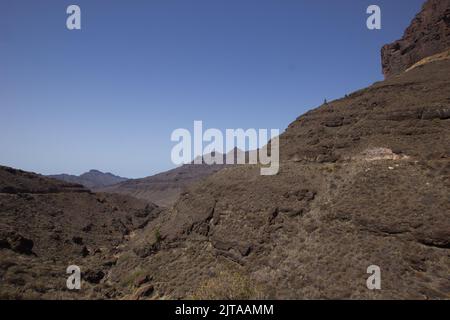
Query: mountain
[[93, 179], [364, 181], [164, 188], [370, 191]]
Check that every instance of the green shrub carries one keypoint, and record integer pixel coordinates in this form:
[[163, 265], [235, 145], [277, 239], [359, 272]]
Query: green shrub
[[157, 236]]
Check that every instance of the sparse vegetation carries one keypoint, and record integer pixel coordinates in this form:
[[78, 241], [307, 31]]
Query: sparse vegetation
[[228, 285], [157, 235], [128, 281]]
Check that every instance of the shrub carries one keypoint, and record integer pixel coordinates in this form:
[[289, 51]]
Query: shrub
[[128, 281], [157, 236], [228, 285]]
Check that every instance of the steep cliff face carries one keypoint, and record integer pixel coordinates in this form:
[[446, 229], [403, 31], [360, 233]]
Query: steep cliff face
[[428, 34]]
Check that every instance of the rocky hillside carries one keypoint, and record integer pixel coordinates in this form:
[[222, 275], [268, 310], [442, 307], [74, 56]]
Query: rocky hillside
[[407, 115], [47, 225], [364, 181], [93, 179], [428, 34]]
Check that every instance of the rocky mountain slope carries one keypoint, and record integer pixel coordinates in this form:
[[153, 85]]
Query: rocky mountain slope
[[372, 189], [428, 34], [364, 180], [93, 179]]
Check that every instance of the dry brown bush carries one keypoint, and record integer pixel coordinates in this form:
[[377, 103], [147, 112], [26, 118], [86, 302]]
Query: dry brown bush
[[228, 285]]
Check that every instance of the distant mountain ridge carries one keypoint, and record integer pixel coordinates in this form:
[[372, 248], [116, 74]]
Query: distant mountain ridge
[[164, 188], [93, 179]]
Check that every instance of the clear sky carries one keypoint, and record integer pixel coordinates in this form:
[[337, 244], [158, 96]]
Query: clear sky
[[109, 96]]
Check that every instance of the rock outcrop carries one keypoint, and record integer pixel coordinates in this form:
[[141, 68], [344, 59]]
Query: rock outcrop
[[428, 34]]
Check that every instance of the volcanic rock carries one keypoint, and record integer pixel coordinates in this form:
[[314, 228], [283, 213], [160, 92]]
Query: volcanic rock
[[428, 34]]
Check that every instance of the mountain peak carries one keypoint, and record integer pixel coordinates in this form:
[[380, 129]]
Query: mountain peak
[[92, 179]]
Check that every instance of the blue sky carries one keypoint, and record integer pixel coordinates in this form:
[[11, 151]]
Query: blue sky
[[109, 96]]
